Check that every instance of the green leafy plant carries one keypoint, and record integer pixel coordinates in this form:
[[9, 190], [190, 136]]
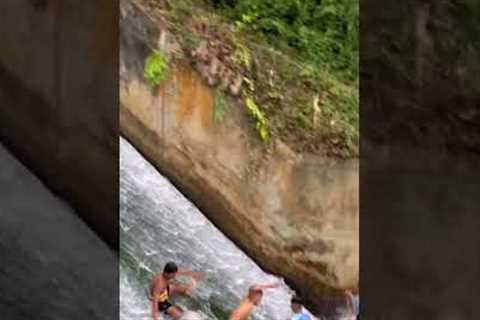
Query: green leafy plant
[[324, 33], [219, 107], [155, 69], [260, 121]]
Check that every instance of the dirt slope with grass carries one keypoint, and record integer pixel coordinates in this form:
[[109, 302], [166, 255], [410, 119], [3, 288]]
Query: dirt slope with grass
[[192, 103]]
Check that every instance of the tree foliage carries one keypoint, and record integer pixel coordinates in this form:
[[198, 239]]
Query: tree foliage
[[323, 32]]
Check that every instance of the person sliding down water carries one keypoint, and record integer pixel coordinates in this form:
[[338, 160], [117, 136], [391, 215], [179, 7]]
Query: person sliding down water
[[255, 294], [298, 311], [162, 287]]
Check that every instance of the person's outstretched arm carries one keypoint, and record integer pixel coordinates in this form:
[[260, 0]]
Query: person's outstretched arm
[[266, 286], [183, 288], [190, 273]]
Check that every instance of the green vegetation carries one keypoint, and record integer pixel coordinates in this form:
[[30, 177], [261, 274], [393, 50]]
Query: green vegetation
[[288, 52], [260, 120], [313, 48], [342, 110], [155, 69], [242, 55], [219, 107], [323, 33]]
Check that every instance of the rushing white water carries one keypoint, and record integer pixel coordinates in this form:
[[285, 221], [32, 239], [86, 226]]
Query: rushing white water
[[158, 224]]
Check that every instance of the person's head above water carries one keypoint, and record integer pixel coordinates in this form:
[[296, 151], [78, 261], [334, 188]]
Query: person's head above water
[[170, 270], [296, 304], [255, 295]]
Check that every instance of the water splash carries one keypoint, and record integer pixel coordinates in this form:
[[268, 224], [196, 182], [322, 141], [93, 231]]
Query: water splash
[[159, 224]]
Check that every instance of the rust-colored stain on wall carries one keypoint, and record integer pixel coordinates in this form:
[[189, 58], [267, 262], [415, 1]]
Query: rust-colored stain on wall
[[193, 96]]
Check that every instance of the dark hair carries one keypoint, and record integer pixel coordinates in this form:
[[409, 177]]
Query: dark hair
[[170, 267], [297, 300]]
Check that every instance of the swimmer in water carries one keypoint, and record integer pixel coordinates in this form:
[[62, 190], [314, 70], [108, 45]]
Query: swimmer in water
[[162, 287], [253, 299]]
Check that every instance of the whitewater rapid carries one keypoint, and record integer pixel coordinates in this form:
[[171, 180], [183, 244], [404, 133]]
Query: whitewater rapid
[[158, 224]]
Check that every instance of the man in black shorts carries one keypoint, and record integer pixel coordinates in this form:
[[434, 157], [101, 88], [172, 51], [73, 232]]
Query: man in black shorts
[[162, 287]]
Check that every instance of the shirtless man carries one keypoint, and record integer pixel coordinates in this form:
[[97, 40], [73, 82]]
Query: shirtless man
[[162, 287], [255, 294]]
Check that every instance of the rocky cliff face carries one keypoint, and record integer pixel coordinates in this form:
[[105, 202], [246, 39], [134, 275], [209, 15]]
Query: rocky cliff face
[[295, 214]]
